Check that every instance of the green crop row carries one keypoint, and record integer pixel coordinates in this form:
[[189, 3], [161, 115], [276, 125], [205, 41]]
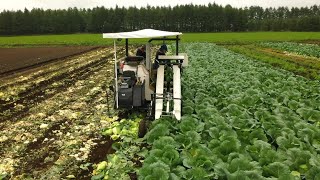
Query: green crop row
[[245, 121], [242, 119], [302, 66], [97, 40], [296, 48]]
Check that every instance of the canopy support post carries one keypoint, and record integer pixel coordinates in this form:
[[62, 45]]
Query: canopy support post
[[116, 73], [177, 45], [127, 47]]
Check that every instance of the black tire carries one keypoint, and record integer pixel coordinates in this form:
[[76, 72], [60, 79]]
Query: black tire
[[142, 128]]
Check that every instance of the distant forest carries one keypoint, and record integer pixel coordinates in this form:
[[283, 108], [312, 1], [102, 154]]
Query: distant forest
[[185, 18]]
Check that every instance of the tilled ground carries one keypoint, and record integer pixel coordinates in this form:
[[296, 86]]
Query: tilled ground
[[50, 118], [12, 59]]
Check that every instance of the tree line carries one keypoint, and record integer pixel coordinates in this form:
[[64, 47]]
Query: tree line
[[185, 18]]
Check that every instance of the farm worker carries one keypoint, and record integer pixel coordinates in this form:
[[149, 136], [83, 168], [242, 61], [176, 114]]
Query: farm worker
[[162, 51], [141, 51], [121, 65]]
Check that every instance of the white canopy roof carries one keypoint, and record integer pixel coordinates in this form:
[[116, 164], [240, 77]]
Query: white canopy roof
[[144, 33]]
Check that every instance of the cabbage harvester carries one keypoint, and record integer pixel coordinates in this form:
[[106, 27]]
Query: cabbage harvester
[[134, 75]]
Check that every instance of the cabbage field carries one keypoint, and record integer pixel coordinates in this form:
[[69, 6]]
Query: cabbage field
[[312, 50], [242, 119], [299, 58], [249, 112]]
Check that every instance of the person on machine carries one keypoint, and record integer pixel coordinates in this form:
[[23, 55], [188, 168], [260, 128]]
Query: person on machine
[[162, 51], [141, 51]]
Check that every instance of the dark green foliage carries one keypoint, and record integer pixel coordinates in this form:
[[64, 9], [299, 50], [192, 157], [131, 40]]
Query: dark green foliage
[[276, 169], [155, 171], [187, 18], [157, 132], [253, 135]]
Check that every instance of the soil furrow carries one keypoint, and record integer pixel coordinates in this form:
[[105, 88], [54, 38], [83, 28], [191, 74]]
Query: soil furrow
[[58, 131], [45, 70], [38, 95], [37, 64]]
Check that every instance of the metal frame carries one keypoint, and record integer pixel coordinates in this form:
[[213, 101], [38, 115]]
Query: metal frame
[[177, 39], [116, 74]]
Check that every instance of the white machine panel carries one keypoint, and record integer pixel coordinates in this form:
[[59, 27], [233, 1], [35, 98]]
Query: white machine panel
[[144, 75], [159, 92], [171, 57], [176, 92], [185, 60], [130, 68]]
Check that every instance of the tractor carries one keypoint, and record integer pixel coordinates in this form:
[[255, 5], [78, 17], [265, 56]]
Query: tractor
[[139, 86]]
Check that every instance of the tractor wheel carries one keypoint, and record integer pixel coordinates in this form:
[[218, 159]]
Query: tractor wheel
[[142, 128]]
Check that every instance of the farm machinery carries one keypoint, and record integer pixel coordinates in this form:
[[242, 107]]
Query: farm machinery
[[139, 86]]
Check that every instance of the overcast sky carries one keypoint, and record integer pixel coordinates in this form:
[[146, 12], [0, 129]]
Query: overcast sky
[[61, 4]]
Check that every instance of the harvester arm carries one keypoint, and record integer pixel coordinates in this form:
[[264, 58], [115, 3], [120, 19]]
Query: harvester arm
[[176, 92], [159, 92]]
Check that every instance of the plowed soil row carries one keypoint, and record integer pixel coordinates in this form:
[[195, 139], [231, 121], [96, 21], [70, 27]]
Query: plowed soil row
[[56, 131], [38, 92], [14, 59]]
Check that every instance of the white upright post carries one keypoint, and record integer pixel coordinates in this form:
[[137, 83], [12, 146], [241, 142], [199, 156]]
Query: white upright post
[[176, 92], [159, 92]]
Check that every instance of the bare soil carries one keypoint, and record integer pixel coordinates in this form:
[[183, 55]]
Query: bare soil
[[13, 59], [50, 153]]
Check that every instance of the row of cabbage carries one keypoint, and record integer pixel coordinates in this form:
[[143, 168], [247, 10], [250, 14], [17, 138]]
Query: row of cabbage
[[129, 149], [312, 50], [242, 120]]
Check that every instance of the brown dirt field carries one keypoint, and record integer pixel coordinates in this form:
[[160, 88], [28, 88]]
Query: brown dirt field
[[52, 154], [12, 59]]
